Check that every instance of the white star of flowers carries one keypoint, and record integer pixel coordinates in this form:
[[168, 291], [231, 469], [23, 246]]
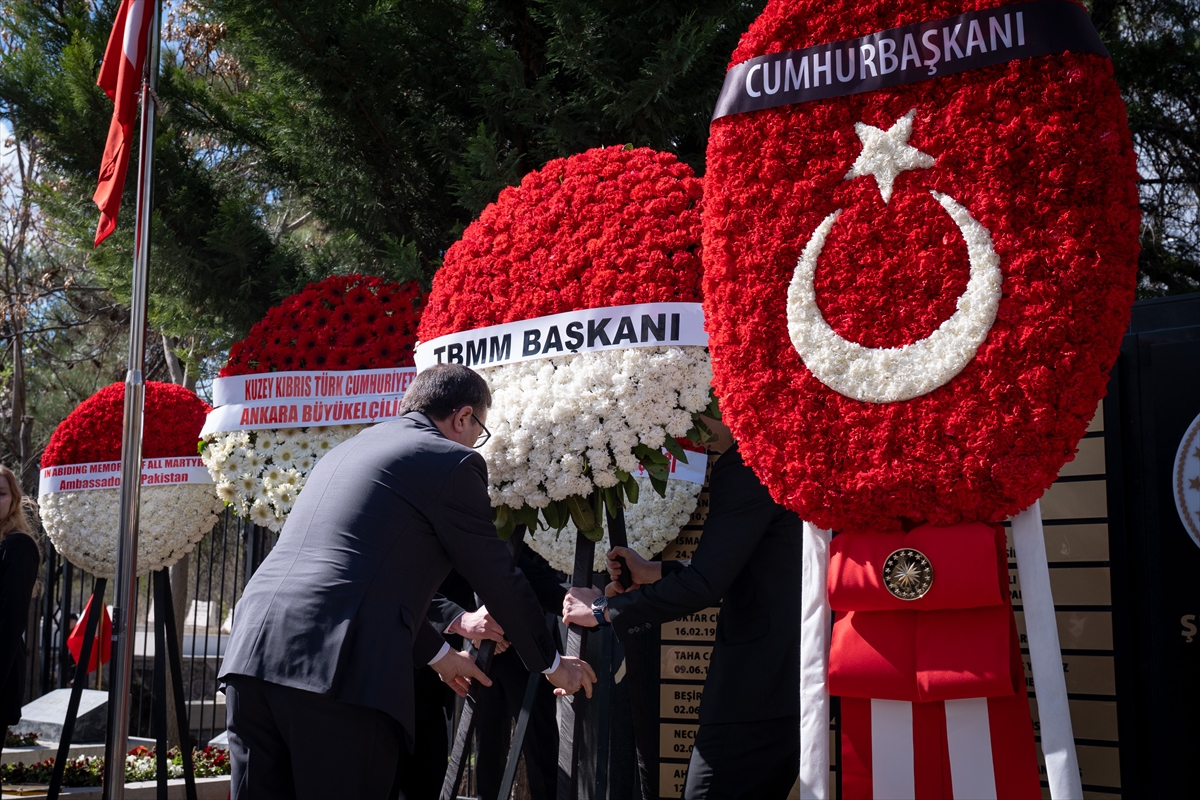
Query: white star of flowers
[[886, 154]]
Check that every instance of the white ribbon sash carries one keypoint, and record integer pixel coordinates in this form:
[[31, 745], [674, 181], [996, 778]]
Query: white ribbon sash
[[302, 399], [107, 474], [585, 331]]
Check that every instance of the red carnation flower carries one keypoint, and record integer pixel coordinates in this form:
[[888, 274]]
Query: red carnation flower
[[1039, 153], [332, 324], [92, 432], [606, 227]]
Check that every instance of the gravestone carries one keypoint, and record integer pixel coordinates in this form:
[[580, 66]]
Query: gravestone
[[46, 716]]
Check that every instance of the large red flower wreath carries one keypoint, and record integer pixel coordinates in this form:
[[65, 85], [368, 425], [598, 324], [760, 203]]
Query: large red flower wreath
[[341, 323], [92, 432], [607, 227], [1039, 152]]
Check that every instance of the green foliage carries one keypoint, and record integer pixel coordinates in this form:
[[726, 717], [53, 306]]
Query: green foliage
[[400, 121], [215, 267], [1155, 47]]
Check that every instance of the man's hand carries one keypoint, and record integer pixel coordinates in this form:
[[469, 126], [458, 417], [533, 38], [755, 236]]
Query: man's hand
[[477, 626], [457, 670], [572, 674], [641, 570], [577, 608]]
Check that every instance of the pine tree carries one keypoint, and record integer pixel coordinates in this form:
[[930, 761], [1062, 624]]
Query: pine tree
[[1155, 47]]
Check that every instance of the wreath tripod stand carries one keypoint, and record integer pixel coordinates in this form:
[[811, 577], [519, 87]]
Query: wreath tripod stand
[[166, 650]]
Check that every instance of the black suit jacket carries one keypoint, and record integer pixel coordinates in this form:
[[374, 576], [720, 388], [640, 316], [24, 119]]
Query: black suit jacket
[[748, 559], [339, 605], [18, 573]]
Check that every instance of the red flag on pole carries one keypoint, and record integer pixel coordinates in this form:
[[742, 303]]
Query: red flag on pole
[[102, 648], [120, 78]]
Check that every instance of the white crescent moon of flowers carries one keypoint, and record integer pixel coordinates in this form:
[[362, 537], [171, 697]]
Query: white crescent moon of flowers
[[893, 374]]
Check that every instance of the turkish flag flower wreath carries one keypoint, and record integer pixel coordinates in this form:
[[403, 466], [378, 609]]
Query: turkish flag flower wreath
[[915, 295], [346, 322], [608, 227], [173, 517]]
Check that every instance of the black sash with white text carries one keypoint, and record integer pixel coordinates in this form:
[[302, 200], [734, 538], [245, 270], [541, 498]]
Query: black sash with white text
[[908, 54]]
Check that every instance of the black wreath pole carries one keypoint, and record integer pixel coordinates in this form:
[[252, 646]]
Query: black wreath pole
[[572, 718], [518, 738], [90, 623], [164, 628], [466, 720], [643, 686]]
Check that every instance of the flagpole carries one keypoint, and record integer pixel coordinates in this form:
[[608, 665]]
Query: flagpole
[[131, 444]]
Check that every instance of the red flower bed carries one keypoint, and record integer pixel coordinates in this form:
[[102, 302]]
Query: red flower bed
[[606, 227], [341, 323], [92, 432], [1038, 151]]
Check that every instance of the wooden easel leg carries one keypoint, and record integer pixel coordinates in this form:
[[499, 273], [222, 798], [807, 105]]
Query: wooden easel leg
[[162, 590], [95, 611]]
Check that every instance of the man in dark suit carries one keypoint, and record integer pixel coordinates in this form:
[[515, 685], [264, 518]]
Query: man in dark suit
[[748, 559], [329, 629]]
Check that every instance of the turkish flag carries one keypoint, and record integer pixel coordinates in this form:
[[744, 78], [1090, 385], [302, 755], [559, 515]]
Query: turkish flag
[[102, 649], [120, 77]]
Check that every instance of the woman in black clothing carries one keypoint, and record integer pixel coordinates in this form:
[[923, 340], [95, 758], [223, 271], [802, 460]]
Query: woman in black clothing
[[19, 559]]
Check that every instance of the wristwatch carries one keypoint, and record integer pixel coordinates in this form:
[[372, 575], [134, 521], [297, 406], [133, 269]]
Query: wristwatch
[[598, 607]]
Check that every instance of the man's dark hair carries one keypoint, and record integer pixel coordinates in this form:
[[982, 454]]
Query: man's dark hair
[[439, 390]]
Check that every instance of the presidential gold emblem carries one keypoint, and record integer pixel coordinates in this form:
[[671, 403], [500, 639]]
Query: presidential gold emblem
[[907, 574]]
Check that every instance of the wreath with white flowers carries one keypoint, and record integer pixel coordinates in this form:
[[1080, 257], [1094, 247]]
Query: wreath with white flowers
[[351, 322], [173, 517], [608, 227]]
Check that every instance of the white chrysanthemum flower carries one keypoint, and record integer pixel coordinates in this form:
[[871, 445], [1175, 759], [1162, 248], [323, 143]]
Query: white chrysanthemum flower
[[265, 442], [248, 484], [284, 497], [556, 420], [272, 475], [227, 492], [173, 517], [252, 461], [233, 459], [285, 455], [261, 513]]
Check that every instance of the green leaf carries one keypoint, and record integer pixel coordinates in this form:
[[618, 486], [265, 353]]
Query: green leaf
[[612, 499], [505, 524], [674, 448], [631, 489], [581, 513], [622, 475], [659, 484], [528, 516], [555, 515], [714, 410]]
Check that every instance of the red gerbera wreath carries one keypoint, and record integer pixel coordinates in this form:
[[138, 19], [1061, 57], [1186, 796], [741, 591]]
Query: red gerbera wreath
[[341, 323], [1036, 152], [92, 432]]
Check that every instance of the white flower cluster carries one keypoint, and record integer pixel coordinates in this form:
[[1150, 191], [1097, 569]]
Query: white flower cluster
[[260, 473], [562, 426], [892, 374], [173, 517], [651, 524]]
